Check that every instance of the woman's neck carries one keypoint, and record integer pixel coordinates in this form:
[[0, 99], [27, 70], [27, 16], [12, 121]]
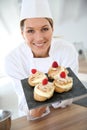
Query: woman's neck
[[41, 56]]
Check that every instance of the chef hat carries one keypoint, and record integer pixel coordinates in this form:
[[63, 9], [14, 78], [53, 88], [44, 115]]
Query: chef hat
[[34, 9]]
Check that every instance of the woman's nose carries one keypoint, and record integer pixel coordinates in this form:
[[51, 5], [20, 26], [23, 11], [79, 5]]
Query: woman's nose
[[39, 36]]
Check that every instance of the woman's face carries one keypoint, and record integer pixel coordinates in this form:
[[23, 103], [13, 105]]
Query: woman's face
[[37, 33]]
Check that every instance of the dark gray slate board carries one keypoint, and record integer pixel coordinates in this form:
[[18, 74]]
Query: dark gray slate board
[[83, 101], [78, 89]]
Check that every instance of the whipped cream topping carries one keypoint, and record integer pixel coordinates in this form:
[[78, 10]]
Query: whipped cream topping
[[58, 68], [37, 77], [44, 90], [64, 82], [56, 71]]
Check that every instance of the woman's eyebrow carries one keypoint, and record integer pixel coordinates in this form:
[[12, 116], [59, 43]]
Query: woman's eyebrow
[[39, 27]]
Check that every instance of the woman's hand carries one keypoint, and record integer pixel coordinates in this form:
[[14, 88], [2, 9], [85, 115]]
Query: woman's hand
[[37, 112]]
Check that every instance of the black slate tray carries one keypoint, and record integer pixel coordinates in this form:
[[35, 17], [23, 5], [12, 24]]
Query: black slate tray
[[81, 102], [78, 89]]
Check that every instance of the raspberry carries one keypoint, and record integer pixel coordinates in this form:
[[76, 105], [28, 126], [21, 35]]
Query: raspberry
[[45, 81], [63, 74], [33, 71], [55, 64]]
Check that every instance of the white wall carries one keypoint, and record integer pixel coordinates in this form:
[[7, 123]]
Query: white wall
[[70, 17], [73, 31]]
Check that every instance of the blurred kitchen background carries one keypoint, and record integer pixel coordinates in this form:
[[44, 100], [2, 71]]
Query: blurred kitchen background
[[70, 23]]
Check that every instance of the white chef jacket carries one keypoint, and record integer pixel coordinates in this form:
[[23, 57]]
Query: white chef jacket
[[20, 62]]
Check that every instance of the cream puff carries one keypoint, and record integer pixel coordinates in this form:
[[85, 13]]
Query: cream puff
[[63, 83], [43, 90], [55, 70], [36, 77]]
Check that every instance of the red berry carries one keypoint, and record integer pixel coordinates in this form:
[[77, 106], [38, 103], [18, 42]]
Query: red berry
[[33, 71], [63, 74], [55, 64], [45, 81]]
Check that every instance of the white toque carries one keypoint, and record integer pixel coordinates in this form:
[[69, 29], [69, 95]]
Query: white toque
[[35, 9]]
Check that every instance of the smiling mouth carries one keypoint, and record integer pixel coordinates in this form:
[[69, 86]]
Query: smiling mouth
[[39, 44]]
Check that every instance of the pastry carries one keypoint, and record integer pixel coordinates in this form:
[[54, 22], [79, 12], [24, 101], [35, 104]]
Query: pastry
[[63, 83], [43, 90], [36, 77], [55, 70]]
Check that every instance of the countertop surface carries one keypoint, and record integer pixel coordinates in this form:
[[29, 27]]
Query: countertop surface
[[69, 118]]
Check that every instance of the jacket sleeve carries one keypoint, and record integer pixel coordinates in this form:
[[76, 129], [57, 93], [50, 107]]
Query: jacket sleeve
[[70, 58], [15, 71]]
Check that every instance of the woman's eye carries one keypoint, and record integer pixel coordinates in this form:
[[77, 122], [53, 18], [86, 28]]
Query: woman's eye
[[45, 29], [30, 31]]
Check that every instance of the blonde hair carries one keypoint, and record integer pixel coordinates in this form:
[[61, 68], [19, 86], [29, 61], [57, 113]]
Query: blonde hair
[[22, 23]]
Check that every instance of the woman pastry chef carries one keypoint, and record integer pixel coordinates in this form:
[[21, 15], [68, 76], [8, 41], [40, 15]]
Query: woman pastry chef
[[38, 51]]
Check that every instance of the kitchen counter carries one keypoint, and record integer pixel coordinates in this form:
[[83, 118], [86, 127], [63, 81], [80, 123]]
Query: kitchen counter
[[69, 118]]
